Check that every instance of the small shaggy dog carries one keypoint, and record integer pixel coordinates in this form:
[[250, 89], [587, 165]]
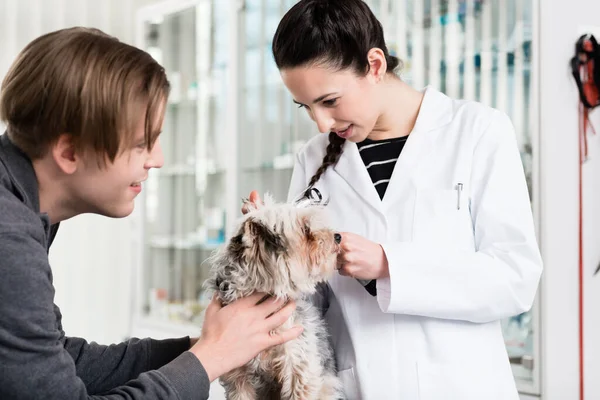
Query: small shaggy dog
[[284, 250]]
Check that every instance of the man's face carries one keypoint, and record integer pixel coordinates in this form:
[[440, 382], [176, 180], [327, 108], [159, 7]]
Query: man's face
[[111, 189]]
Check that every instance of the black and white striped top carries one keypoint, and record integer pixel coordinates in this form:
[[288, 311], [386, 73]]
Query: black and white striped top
[[380, 157]]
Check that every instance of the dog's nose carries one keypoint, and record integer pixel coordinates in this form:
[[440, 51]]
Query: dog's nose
[[337, 237]]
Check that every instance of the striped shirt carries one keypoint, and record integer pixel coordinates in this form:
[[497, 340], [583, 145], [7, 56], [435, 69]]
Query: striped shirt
[[379, 157]]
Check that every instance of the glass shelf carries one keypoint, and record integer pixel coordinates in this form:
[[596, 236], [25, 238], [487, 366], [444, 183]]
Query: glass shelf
[[183, 213]]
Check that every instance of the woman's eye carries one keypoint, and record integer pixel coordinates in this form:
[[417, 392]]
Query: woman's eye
[[142, 145], [330, 103]]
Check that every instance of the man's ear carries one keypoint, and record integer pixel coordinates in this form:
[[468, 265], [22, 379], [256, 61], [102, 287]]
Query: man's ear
[[377, 64], [64, 153]]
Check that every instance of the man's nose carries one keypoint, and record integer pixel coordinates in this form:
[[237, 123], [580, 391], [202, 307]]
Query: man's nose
[[156, 158]]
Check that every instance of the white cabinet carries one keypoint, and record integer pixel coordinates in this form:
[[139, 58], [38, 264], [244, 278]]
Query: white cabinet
[[232, 127]]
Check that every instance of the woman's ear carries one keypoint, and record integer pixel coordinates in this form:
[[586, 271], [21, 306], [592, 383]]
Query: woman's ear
[[377, 64]]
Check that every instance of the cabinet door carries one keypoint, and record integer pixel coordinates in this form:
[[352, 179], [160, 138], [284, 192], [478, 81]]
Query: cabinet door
[[183, 213]]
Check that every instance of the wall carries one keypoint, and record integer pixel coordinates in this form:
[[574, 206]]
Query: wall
[[560, 25]]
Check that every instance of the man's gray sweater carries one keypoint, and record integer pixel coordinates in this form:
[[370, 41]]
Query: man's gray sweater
[[37, 360]]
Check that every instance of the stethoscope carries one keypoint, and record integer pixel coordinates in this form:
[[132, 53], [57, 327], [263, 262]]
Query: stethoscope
[[311, 197]]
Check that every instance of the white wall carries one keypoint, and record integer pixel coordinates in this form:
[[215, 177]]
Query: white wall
[[560, 24], [92, 256]]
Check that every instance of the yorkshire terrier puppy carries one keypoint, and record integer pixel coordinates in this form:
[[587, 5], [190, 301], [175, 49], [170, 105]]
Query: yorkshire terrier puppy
[[284, 250]]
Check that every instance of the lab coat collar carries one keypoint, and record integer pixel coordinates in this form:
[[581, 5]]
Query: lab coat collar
[[436, 111]]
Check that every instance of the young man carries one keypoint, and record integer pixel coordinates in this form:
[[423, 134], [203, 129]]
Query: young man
[[83, 114]]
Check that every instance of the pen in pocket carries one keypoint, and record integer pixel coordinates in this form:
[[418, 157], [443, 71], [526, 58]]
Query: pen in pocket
[[459, 188]]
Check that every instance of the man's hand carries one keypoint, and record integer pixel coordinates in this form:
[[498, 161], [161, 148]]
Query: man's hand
[[234, 334], [253, 198]]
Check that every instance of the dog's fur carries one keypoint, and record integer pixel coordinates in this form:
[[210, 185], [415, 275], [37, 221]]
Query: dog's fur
[[285, 251]]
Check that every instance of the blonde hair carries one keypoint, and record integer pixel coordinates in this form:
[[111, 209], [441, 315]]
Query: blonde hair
[[85, 83]]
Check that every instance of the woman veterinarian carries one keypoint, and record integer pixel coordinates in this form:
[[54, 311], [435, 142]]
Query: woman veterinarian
[[429, 195]]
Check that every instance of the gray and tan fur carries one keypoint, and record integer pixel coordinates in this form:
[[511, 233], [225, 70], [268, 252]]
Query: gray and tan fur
[[285, 251]]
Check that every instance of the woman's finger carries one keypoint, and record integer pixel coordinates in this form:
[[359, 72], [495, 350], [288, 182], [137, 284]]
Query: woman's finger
[[345, 270], [252, 202], [255, 198]]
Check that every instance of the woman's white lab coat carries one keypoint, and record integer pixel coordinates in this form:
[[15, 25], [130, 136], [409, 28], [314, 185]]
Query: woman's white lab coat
[[457, 228]]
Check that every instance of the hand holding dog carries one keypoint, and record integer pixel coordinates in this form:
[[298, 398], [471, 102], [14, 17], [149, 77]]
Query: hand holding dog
[[235, 334], [361, 258]]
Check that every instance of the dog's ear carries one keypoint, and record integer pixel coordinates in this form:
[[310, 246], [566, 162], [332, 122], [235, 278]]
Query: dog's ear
[[259, 232]]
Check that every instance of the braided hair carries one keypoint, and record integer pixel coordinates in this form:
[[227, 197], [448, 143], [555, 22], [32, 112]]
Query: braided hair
[[332, 155]]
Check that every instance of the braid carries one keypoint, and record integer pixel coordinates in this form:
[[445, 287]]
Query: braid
[[334, 151]]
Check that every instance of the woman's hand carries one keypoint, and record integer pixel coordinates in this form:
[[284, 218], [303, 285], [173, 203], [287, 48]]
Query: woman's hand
[[361, 258], [254, 198]]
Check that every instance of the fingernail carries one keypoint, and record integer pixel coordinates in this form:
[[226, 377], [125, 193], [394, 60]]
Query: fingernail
[[338, 238]]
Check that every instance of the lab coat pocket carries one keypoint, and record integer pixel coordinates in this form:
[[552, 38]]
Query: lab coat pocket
[[349, 384], [442, 216], [454, 381]]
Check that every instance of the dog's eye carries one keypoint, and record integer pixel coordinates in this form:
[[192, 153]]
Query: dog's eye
[[221, 284], [224, 287], [307, 233]]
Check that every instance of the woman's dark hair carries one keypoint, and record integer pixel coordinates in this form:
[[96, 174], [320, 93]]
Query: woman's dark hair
[[332, 155], [335, 33]]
